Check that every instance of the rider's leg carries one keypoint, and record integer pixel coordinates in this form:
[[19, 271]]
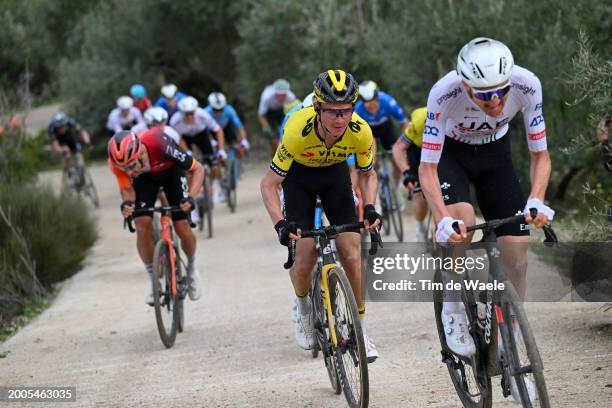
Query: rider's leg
[[301, 272], [348, 245], [514, 258], [144, 241]]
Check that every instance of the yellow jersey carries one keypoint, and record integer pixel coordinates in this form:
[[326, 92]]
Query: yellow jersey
[[414, 132], [301, 143]]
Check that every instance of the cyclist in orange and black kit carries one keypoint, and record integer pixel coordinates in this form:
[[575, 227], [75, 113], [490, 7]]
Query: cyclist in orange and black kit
[[142, 164]]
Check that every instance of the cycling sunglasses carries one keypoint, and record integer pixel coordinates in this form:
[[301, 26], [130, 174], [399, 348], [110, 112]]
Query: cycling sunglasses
[[130, 166], [488, 95], [338, 113]]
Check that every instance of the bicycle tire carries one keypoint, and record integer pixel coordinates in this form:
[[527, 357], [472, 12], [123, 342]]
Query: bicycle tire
[[323, 334], [383, 208], [162, 269], [182, 288], [231, 186], [90, 188], [457, 366], [206, 216], [510, 303], [350, 339], [395, 215]]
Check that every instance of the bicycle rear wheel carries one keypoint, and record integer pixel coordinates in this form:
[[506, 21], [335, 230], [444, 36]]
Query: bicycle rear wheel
[[166, 309], [470, 377], [350, 352], [90, 188], [323, 335], [182, 287], [205, 208], [230, 185], [521, 358], [395, 215]]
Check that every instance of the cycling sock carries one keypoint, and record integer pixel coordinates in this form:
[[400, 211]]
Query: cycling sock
[[149, 268], [420, 227], [362, 311], [303, 303], [190, 262]]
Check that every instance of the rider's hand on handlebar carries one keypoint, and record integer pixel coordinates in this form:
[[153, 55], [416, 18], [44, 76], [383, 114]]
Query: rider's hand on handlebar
[[371, 219], [409, 180], [187, 204], [545, 213], [245, 144], [222, 155], [127, 208], [446, 230], [283, 229]]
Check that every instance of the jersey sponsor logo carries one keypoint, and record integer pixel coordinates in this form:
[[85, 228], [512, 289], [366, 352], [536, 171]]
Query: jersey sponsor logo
[[355, 126], [538, 106], [307, 154], [176, 154], [450, 95], [433, 116], [431, 130], [525, 89], [536, 121], [331, 153], [537, 136], [483, 126], [432, 146], [308, 128], [445, 185]]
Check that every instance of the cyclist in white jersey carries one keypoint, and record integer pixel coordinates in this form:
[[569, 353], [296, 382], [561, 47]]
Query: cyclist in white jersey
[[194, 125], [156, 116], [465, 141], [124, 116]]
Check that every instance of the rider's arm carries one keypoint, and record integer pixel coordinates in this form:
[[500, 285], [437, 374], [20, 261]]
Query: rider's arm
[[220, 138], [237, 123], [197, 177], [55, 146], [368, 184], [430, 183], [399, 153], [539, 173], [364, 161], [398, 114], [270, 184], [85, 137]]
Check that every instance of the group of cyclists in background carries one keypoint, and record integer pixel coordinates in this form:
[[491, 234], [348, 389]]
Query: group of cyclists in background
[[325, 146]]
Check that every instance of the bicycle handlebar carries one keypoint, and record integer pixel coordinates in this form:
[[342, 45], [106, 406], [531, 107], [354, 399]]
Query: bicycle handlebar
[[127, 222], [331, 232], [549, 233]]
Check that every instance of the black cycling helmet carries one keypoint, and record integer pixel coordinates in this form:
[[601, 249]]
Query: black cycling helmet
[[335, 86]]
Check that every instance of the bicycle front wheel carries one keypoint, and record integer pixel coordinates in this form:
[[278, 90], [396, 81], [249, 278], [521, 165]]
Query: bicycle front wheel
[[395, 215], [470, 377], [90, 188], [166, 308], [350, 352], [231, 185], [520, 358]]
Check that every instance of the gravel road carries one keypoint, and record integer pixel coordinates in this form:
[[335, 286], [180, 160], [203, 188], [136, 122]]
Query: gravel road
[[238, 348]]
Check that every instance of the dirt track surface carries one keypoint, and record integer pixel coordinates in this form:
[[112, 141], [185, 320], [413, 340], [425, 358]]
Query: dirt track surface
[[238, 348]]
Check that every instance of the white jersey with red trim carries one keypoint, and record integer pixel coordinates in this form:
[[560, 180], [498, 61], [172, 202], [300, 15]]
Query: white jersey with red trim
[[202, 121], [451, 113]]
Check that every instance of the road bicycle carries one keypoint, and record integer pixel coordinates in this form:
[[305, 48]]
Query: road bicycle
[[170, 282], [390, 211], [336, 318], [204, 200], [230, 182], [488, 312], [76, 178]]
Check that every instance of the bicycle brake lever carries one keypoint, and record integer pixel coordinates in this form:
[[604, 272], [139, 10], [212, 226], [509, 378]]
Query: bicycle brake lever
[[128, 222], [551, 239], [290, 255]]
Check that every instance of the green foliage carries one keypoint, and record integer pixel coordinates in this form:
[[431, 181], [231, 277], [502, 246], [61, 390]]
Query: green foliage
[[20, 157]]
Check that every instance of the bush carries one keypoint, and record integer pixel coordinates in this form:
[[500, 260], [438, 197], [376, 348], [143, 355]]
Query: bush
[[43, 240]]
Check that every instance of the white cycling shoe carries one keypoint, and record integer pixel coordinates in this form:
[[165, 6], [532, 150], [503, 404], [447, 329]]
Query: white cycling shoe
[[149, 295], [195, 283], [371, 352], [458, 338], [303, 328]]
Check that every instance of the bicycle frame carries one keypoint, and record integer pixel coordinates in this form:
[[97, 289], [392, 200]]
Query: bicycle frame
[[327, 262], [166, 235]]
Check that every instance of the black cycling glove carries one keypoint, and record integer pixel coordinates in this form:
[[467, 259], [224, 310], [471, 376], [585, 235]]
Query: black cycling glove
[[126, 203], [409, 178], [283, 229], [370, 214], [189, 200]]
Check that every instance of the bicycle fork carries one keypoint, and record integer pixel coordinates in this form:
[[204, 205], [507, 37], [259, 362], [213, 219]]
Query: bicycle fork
[[165, 235]]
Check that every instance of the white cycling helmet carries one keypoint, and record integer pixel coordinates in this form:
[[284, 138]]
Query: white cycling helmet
[[484, 62], [169, 91], [188, 104], [124, 102], [308, 100], [155, 116], [217, 100], [281, 86], [368, 90]]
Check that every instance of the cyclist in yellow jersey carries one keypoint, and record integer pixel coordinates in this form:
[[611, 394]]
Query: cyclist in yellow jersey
[[311, 162], [407, 157]]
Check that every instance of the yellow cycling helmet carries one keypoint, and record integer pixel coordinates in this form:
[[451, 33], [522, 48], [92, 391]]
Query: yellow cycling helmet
[[414, 132], [336, 86]]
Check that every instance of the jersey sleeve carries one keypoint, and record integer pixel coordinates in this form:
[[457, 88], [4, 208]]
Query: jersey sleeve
[[122, 179], [396, 110], [236, 122], [209, 121], [535, 128], [433, 133], [175, 154], [364, 155], [263, 102], [287, 148], [113, 120]]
